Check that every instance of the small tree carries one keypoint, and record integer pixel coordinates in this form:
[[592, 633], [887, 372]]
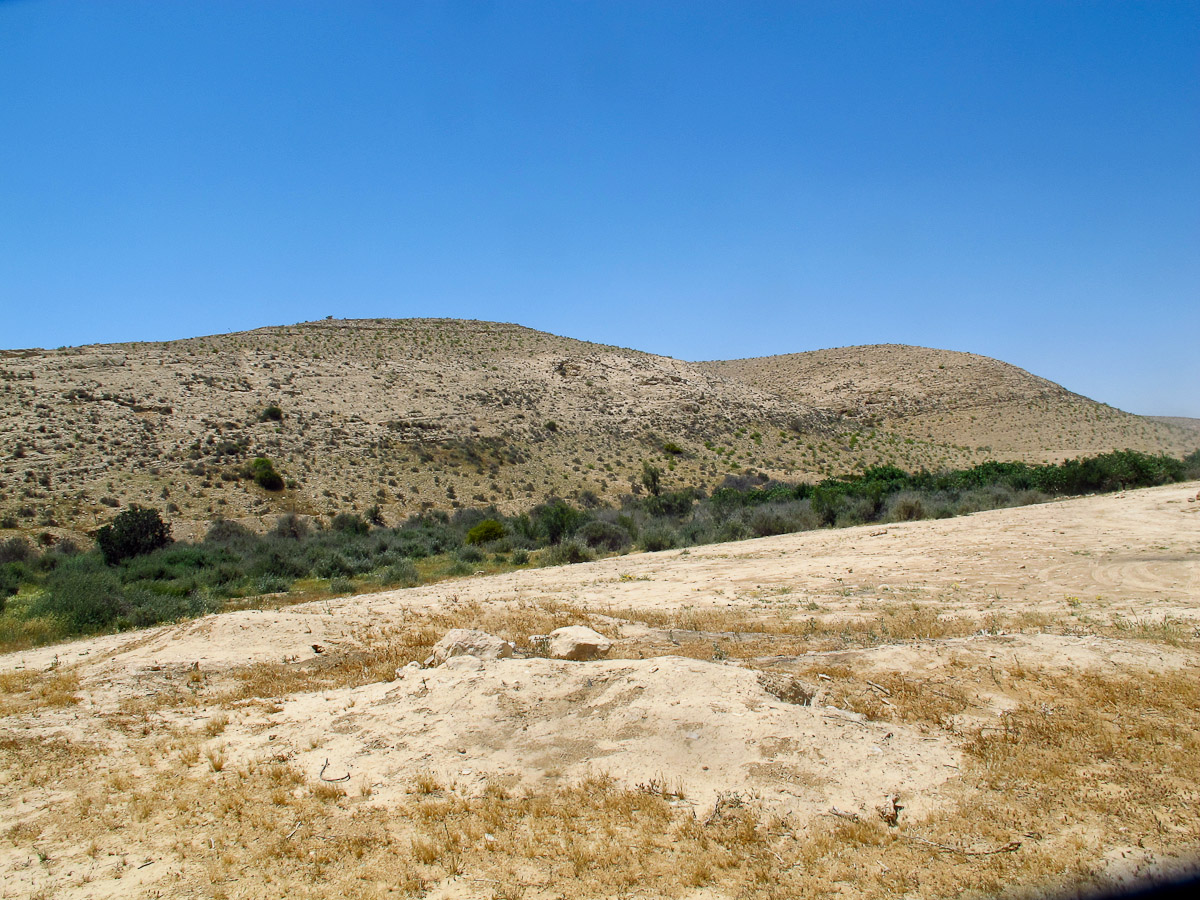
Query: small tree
[[652, 478], [135, 531]]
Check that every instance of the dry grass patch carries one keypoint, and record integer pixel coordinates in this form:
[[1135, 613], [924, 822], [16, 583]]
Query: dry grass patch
[[708, 633], [1081, 764], [25, 691]]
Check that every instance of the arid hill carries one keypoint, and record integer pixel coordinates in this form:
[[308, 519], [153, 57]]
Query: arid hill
[[947, 397], [405, 415]]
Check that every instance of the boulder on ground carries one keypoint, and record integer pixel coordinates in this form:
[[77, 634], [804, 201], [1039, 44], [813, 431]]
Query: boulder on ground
[[466, 642], [576, 642]]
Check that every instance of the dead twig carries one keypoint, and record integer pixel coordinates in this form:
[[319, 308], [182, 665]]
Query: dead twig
[[845, 719], [1006, 848], [293, 831], [842, 814], [880, 688], [345, 777]]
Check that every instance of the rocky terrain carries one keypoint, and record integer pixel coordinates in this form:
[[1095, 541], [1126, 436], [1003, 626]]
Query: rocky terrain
[[405, 415]]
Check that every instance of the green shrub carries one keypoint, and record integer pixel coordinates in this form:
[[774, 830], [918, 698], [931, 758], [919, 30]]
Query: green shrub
[[520, 557], [223, 531], [652, 478], [332, 565], [15, 549], [11, 575], [485, 532], [134, 531], [272, 584], [275, 563], [403, 573], [670, 503], [1191, 466], [291, 527], [271, 414], [658, 537], [555, 520], [567, 553], [262, 470], [600, 535], [470, 555], [768, 521], [349, 523], [83, 599]]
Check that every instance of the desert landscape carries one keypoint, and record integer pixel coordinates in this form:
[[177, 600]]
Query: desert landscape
[[410, 648], [1005, 703], [417, 414], [471, 450]]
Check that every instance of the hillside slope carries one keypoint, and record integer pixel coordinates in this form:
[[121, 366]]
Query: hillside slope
[[406, 415], [948, 397]]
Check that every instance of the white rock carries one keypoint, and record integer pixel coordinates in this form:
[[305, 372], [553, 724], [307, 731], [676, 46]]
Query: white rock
[[576, 642], [464, 663], [465, 642]]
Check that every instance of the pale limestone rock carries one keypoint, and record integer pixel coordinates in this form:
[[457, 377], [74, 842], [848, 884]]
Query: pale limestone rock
[[576, 642], [465, 642]]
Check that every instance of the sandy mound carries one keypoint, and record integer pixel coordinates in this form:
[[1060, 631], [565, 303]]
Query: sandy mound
[[687, 726]]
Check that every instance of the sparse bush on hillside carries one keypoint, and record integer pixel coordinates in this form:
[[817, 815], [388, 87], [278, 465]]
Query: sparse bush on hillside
[[290, 526], [78, 593], [485, 532], [15, 549], [271, 414], [262, 470], [601, 535], [133, 532], [652, 479], [349, 523]]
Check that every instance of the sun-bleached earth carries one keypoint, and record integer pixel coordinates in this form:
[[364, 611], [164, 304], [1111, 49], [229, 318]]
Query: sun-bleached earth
[[1021, 683]]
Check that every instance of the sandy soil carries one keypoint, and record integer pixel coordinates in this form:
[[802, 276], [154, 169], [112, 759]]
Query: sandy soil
[[1095, 585]]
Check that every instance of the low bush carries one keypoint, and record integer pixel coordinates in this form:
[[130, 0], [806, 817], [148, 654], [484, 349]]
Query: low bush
[[568, 553], [290, 526], [133, 532], [601, 535], [403, 574], [140, 577], [658, 538], [349, 523], [15, 549], [486, 531], [262, 470]]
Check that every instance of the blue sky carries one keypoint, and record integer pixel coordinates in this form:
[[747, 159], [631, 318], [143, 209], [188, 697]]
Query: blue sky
[[703, 180]]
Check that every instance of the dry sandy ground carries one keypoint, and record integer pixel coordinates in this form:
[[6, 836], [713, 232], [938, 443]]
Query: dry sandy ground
[[915, 652]]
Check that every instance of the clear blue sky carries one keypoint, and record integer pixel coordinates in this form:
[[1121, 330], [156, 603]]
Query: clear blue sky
[[704, 180]]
